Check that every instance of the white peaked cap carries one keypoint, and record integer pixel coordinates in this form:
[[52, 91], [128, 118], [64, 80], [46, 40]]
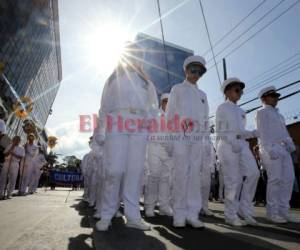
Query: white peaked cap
[[270, 89], [164, 96], [230, 81], [194, 59]]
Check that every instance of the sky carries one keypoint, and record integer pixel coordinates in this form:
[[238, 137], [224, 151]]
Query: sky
[[92, 31]]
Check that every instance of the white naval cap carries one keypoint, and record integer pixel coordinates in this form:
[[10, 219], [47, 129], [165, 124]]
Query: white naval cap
[[194, 59], [266, 91], [164, 96], [2, 127], [230, 81]]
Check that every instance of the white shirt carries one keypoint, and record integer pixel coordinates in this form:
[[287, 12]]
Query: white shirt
[[231, 122], [271, 127], [31, 151], [187, 101], [18, 150], [126, 92], [40, 161]]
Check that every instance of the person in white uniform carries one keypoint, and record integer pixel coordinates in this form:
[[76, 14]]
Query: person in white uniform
[[276, 147], [235, 156], [188, 105], [159, 164], [28, 163], [207, 170], [129, 99], [13, 154], [84, 170], [40, 161]]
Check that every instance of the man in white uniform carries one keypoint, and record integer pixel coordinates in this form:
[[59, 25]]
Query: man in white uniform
[[13, 154], [207, 170], [28, 163], [84, 165], [159, 165], [188, 105], [276, 147], [235, 156], [39, 162], [128, 100]]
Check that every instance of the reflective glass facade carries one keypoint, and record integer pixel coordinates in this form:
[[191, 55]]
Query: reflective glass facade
[[30, 51], [162, 64]]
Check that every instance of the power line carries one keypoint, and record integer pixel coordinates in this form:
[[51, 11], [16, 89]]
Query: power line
[[256, 33], [273, 78], [210, 43], [256, 98], [164, 44], [249, 28], [281, 98], [281, 88], [274, 67], [236, 26]]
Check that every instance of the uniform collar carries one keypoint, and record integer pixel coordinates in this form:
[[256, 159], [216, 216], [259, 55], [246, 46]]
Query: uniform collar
[[230, 102], [187, 83], [270, 107]]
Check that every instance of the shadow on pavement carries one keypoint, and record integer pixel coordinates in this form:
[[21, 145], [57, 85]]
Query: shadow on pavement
[[190, 238], [80, 242], [118, 236]]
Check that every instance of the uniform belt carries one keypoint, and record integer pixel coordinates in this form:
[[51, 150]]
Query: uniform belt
[[130, 110]]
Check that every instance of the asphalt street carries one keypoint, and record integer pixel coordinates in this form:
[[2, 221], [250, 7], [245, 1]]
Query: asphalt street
[[61, 220]]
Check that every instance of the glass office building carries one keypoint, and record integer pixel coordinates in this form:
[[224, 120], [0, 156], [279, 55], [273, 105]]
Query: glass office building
[[162, 62], [30, 54]]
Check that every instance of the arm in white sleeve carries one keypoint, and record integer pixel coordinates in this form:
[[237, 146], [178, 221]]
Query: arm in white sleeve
[[225, 127], [152, 101], [106, 96], [171, 106]]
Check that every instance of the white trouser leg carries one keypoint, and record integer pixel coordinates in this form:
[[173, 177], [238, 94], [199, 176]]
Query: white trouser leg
[[232, 178], [37, 180], [116, 153], [250, 171], [273, 168], [27, 174], [194, 198], [221, 185], [133, 176], [205, 186], [13, 174], [3, 177], [164, 185], [151, 192], [186, 181], [164, 192], [286, 184], [99, 194], [32, 180]]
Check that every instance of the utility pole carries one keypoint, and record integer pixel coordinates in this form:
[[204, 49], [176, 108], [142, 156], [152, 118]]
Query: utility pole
[[224, 69]]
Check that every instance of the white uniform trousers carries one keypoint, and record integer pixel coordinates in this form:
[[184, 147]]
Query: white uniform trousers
[[124, 157]]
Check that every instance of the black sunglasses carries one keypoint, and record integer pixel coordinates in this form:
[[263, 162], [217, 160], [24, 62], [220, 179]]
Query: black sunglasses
[[239, 90], [274, 95], [197, 71]]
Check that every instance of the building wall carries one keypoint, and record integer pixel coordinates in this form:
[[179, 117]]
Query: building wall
[[30, 50]]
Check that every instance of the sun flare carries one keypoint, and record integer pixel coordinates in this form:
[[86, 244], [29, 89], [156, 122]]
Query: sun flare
[[105, 46]]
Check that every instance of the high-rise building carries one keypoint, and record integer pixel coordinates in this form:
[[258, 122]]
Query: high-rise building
[[162, 61], [30, 58]]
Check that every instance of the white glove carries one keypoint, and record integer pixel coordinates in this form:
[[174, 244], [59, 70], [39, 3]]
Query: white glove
[[273, 154], [289, 144], [169, 149], [236, 147], [255, 133], [100, 139]]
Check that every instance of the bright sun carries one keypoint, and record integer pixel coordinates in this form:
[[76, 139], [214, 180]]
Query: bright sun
[[105, 46]]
